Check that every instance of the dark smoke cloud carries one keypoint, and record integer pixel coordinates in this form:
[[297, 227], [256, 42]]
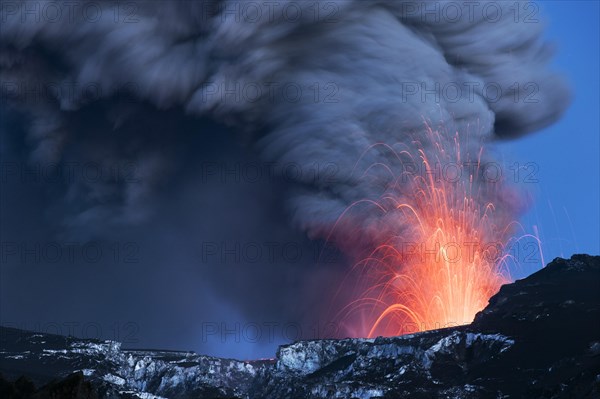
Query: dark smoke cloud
[[306, 84], [365, 57]]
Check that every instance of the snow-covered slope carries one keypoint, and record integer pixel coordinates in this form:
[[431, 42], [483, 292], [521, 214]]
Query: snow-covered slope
[[538, 338]]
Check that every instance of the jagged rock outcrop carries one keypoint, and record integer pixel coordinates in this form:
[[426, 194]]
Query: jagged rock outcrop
[[538, 338]]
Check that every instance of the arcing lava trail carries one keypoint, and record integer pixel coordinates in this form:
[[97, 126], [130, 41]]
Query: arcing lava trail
[[443, 271]]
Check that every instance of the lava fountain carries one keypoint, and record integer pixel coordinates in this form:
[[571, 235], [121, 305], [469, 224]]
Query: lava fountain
[[445, 268]]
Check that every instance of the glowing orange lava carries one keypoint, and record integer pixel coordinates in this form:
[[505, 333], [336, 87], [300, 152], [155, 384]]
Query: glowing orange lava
[[444, 269]]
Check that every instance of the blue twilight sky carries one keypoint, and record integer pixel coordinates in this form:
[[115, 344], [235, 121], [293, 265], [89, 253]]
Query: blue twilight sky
[[566, 198]]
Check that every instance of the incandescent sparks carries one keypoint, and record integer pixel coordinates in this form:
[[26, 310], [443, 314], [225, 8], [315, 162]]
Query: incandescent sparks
[[444, 269]]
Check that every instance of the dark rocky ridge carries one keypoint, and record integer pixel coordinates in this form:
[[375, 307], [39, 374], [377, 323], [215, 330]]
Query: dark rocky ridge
[[538, 338]]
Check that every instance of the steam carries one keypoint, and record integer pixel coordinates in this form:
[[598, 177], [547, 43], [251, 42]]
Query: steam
[[311, 85]]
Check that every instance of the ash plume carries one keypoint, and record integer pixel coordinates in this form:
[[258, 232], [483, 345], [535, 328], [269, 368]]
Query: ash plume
[[321, 90], [316, 87]]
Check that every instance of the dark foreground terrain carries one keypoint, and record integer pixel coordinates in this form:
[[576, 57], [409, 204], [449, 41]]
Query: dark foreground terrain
[[538, 338]]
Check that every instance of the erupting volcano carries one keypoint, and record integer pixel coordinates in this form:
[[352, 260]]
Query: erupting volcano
[[232, 138], [444, 269]]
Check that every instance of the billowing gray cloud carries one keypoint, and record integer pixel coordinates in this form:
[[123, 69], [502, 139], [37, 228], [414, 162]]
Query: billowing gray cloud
[[312, 84]]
